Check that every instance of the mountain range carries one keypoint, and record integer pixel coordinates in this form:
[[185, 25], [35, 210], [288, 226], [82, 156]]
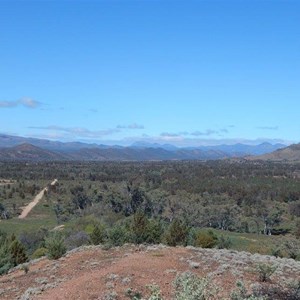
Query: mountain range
[[23, 148]]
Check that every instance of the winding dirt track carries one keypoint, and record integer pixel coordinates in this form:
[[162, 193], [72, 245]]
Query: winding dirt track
[[34, 202]]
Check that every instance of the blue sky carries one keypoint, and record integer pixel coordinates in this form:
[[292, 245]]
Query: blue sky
[[181, 72]]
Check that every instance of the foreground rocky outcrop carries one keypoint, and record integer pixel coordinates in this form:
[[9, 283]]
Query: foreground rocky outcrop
[[92, 272]]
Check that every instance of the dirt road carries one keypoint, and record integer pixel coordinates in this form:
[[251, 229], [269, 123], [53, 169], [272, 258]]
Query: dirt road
[[34, 202]]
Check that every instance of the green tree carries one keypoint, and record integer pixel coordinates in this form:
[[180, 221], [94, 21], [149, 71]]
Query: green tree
[[55, 246], [18, 252], [177, 233], [98, 235]]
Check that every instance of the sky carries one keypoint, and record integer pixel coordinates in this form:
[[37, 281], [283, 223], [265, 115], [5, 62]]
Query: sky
[[184, 72]]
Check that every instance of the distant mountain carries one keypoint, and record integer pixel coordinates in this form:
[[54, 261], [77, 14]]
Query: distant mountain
[[10, 141], [288, 154], [29, 152], [142, 145], [21, 148]]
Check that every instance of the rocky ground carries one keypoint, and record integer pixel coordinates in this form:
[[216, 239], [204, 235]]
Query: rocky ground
[[92, 272]]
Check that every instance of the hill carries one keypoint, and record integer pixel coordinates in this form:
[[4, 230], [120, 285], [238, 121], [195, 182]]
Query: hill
[[287, 154], [55, 150], [29, 152], [90, 272]]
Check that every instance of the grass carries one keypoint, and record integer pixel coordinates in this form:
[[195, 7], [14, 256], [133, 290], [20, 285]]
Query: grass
[[253, 243], [40, 216]]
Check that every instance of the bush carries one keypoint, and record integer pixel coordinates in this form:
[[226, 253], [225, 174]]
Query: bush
[[155, 231], [139, 228], [278, 291], [189, 286], [98, 235], [33, 240], [77, 239], [40, 252], [292, 249], [177, 233], [18, 252], [241, 293], [55, 246], [224, 243], [118, 235], [205, 239], [5, 257], [265, 272], [145, 230]]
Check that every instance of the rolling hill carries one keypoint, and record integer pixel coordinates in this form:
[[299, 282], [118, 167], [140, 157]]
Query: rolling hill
[[21, 148], [288, 154], [29, 152]]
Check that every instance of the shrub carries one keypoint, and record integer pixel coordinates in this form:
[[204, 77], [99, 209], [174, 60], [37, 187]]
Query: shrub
[[139, 227], [205, 239], [241, 293], [77, 239], [40, 252], [277, 291], [33, 240], [265, 271], [177, 233], [5, 257], [145, 230], [276, 252], [55, 246], [18, 252], [25, 268], [155, 292], [292, 249], [118, 235], [189, 286], [224, 243], [155, 231], [98, 235], [133, 295]]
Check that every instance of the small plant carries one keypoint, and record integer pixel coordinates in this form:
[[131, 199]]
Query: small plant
[[155, 292], [292, 249], [55, 246], [224, 243], [265, 272], [25, 268], [240, 293], [40, 252], [133, 295], [189, 286], [112, 295]]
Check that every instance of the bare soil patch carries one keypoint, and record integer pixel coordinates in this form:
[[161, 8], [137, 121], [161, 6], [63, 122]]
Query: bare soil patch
[[93, 273]]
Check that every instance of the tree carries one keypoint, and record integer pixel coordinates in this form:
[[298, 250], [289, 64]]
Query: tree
[[177, 233], [98, 235], [18, 252]]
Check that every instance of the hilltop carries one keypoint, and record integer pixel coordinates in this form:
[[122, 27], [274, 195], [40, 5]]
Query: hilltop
[[91, 272]]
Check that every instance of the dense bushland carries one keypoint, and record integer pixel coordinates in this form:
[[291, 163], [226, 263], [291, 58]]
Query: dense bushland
[[151, 202]]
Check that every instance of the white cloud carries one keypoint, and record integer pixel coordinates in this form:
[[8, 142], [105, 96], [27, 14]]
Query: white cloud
[[26, 102], [268, 127], [78, 131], [131, 126]]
